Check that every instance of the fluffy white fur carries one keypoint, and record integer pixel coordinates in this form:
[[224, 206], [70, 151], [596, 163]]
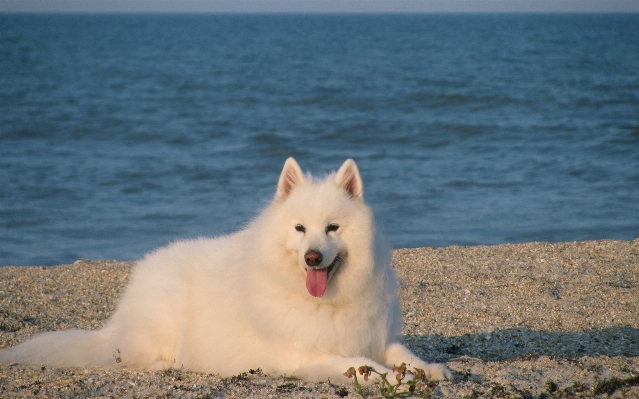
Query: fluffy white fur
[[237, 302]]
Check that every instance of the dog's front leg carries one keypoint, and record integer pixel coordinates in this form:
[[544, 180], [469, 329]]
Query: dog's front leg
[[397, 354]]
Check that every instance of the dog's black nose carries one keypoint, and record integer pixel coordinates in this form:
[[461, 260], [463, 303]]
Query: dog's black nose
[[313, 258]]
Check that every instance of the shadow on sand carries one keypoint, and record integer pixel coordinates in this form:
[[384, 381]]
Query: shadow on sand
[[515, 343]]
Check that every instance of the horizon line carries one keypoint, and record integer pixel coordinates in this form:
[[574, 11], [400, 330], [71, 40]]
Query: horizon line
[[319, 7]]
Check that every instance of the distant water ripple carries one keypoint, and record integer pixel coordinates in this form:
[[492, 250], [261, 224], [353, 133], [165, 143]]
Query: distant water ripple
[[121, 133]]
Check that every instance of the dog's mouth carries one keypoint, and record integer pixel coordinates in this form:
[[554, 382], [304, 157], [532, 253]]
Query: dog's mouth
[[317, 278]]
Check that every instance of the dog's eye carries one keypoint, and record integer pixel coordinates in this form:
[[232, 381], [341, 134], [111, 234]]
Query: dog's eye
[[300, 228], [332, 227]]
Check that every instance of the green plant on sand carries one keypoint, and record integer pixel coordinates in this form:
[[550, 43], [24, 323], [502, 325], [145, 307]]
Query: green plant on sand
[[408, 382]]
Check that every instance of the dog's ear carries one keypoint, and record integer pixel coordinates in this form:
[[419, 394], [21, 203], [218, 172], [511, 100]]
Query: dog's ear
[[291, 176], [348, 177]]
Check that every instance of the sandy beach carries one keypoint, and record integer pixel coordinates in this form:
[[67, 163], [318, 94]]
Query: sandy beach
[[534, 320]]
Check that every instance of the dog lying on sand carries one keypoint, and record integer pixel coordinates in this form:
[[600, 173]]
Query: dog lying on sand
[[306, 289]]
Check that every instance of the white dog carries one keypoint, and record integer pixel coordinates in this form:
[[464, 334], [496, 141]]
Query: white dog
[[306, 289]]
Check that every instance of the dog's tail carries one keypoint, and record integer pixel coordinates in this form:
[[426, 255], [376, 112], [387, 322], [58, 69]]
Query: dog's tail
[[68, 348]]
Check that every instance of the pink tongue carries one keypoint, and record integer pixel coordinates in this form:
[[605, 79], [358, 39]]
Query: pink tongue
[[316, 281]]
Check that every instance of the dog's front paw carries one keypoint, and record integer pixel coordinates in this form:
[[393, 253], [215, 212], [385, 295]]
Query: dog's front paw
[[437, 372]]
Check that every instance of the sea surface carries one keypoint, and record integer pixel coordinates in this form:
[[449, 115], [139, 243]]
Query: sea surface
[[122, 133]]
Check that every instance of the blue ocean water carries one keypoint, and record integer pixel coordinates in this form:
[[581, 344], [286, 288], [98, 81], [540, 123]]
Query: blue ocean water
[[121, 133]]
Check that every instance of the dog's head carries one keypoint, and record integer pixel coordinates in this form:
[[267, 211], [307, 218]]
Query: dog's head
[[326, 223]]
